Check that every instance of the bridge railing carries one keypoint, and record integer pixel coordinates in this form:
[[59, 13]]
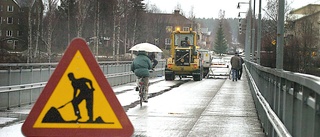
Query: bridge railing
[[288, 103], [21, 84]]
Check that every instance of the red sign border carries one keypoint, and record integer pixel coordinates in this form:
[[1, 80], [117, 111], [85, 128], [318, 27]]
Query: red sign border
[[77, 44]]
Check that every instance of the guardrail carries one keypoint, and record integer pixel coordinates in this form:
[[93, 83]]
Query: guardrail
[[18, 95], [288, 104], [26, 93], [24, 73]]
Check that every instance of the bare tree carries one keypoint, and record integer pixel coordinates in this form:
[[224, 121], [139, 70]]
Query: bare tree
[[35, 13], [191, 13], [269, 32], [82, 8], [118, 13], [70, 11], [38, 27], [50, 21], [29, 56], [151, 8]]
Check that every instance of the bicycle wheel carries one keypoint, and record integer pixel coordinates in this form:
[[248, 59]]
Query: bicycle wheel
[[141, 95]]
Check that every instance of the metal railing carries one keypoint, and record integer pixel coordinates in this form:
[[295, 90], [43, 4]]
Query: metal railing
[[287, 103], [22, 84]]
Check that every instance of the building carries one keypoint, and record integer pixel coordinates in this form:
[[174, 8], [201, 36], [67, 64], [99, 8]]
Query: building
[[205, 42], [302, 39], [15, 28], [304, 24], [161, 25]]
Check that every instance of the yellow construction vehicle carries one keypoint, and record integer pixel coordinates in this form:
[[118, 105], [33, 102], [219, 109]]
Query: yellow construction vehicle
[[184, 58]]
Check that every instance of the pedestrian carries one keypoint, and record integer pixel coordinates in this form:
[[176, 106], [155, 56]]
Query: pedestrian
[[240, 69], [152, 57], [85, 93], [235, 66]]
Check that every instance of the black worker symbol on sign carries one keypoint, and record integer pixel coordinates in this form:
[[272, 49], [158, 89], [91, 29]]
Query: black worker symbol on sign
[[82, 91], [85, 93]]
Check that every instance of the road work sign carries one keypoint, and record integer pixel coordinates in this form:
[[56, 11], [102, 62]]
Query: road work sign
[[77, 100]]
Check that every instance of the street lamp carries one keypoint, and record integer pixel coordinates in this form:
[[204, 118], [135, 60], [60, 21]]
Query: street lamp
[[280, 35], [259, 34], [238, 7], [240, 29], [248, 29], [240, 13]]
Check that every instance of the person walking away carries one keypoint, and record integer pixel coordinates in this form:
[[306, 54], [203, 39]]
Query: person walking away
[[85, 93], [240, 69], [141, 66], [152, 57], [235, 65]]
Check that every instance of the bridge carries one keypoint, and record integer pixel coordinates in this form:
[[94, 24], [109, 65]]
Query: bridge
[[283, 103]]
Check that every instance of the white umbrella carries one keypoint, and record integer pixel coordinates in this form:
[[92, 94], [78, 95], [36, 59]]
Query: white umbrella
[[146, 47]]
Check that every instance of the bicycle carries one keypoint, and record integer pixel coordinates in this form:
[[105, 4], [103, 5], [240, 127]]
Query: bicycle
[[142, 90]]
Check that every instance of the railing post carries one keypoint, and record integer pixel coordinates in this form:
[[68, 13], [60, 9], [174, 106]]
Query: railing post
[[49, 70], [8, 107], [20, 76], [317, 116], [32, 74], [9, 77], [40, 72]]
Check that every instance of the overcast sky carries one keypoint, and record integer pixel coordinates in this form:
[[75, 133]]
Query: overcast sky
[[210, 8]]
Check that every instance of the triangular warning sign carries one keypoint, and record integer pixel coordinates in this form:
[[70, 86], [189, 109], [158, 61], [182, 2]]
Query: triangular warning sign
[[77, 100]]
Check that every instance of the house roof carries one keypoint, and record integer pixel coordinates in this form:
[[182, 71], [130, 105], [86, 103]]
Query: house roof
[[24, 3], [306, 9], [307, 16], [175, 18]]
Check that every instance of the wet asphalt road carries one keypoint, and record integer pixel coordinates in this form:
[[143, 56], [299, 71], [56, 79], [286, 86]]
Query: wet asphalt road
[[208, 108]]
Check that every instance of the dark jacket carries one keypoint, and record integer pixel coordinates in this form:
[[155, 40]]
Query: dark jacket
[[235, 62], [141, 65], [241, 62], [152, 56]]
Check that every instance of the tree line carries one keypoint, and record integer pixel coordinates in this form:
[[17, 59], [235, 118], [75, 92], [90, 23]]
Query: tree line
[[109, 26]]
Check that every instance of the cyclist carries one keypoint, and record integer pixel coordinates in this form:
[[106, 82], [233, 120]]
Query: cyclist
[[141, 66]]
